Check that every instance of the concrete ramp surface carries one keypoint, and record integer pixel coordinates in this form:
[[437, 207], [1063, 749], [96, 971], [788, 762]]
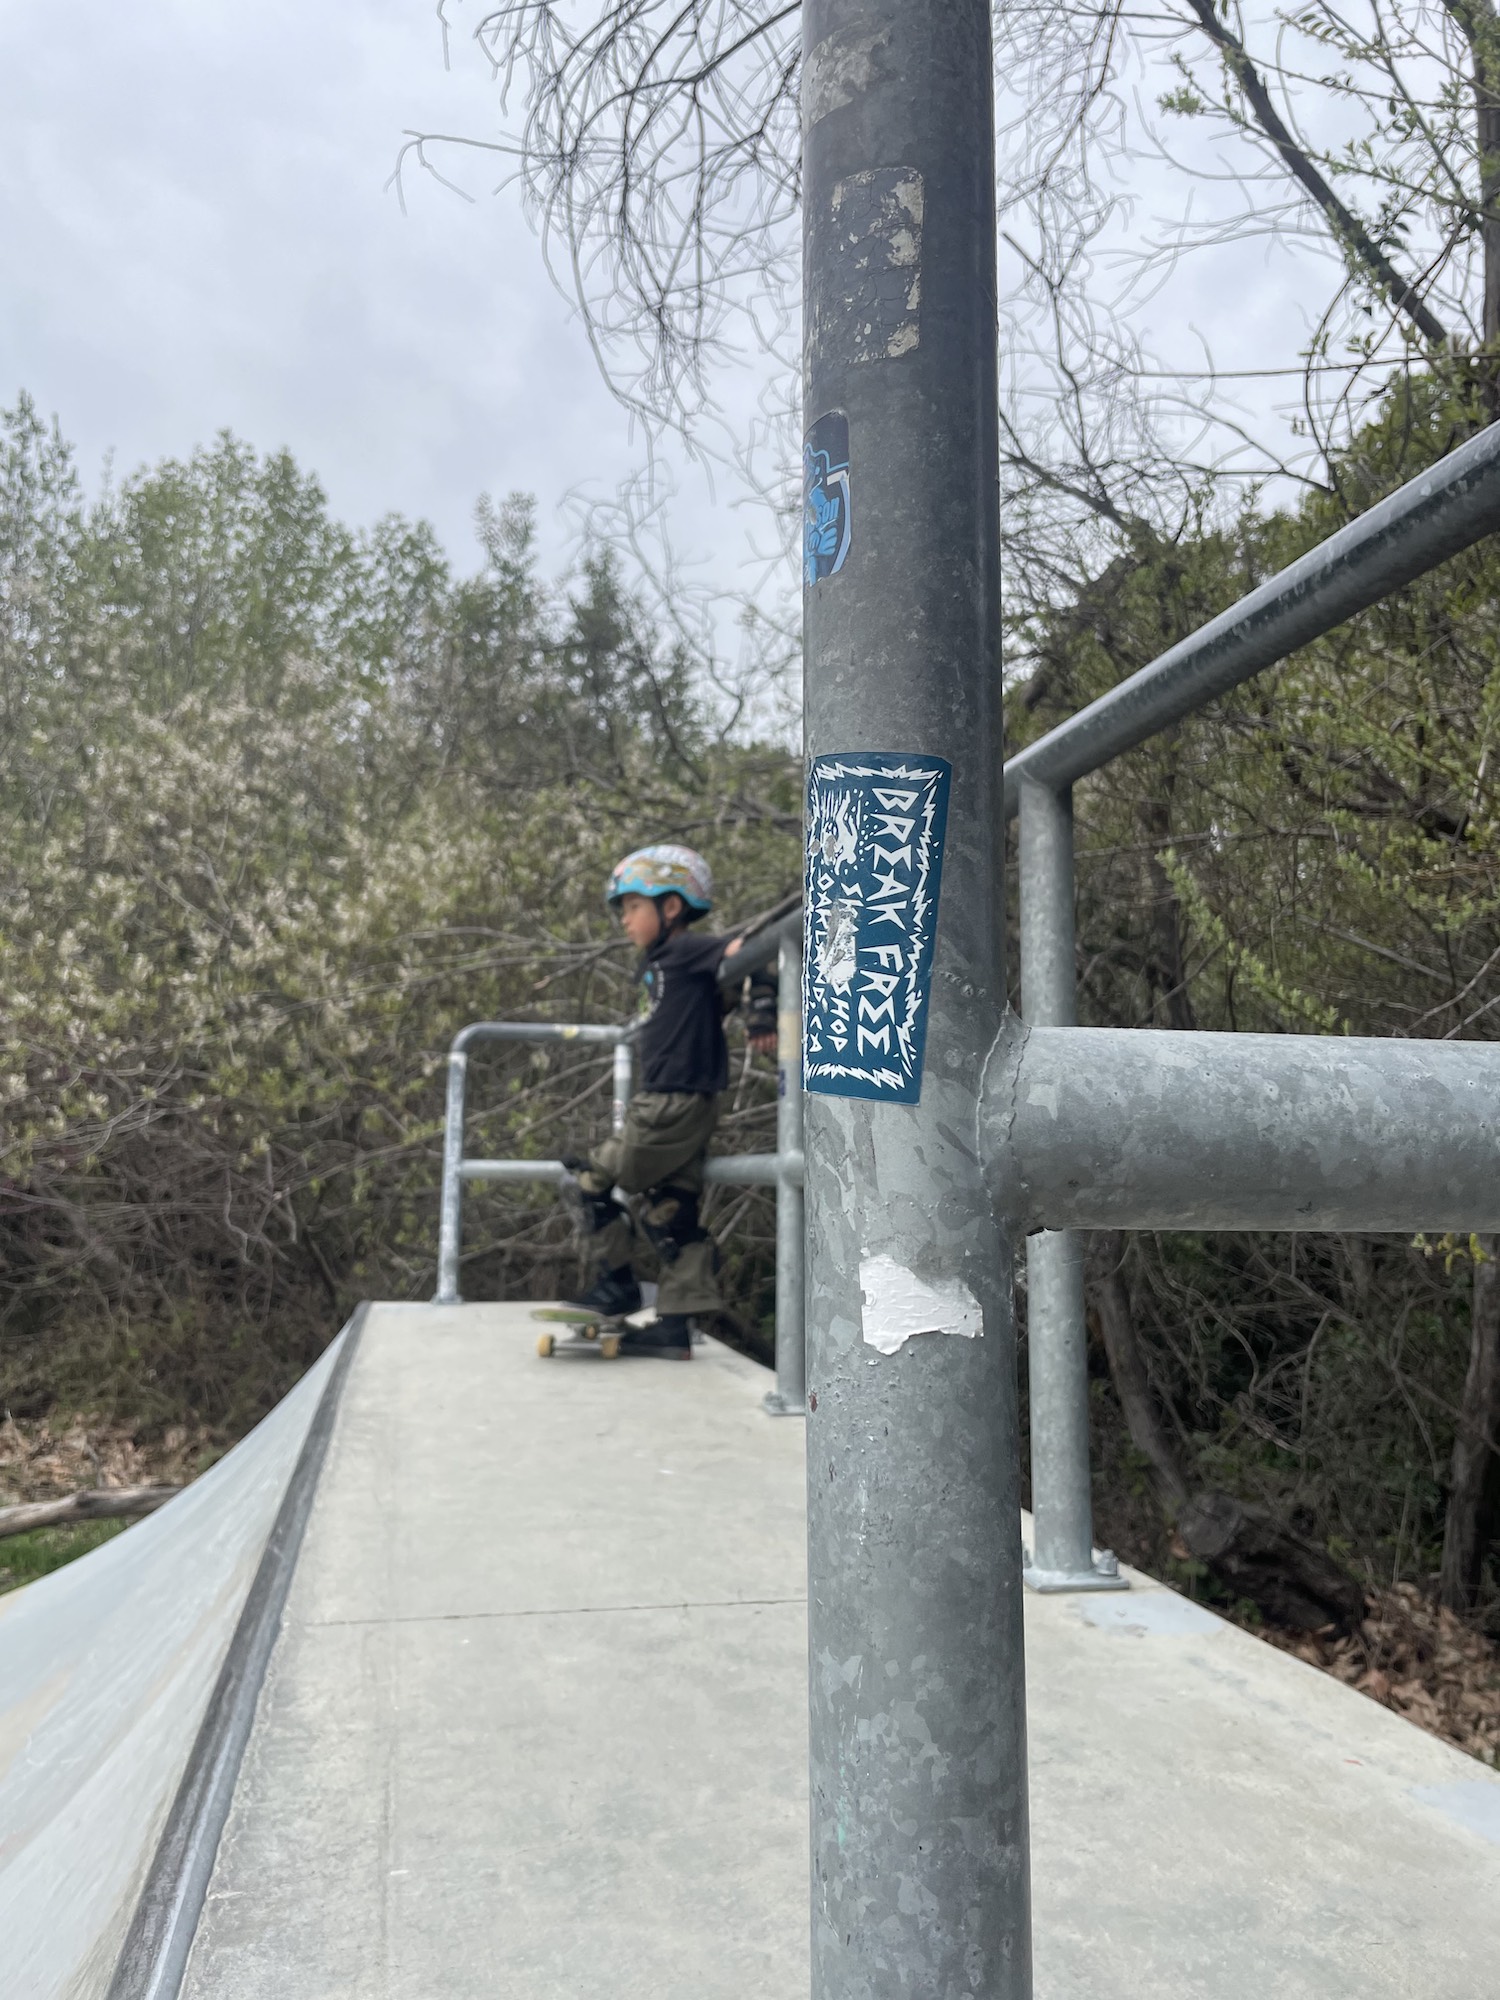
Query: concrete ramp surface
[[535, 1727], [106, 1667]]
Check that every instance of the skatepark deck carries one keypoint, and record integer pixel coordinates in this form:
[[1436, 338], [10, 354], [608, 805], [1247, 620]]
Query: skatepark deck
[[535, 1727]]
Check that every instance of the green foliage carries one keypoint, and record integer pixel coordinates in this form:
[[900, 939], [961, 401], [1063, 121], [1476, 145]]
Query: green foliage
[[1183, 101], [23, 1558], [281, 807]]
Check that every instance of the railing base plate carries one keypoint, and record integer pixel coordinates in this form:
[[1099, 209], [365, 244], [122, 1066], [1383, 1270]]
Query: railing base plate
[[1056, 1582], [776, 1405]]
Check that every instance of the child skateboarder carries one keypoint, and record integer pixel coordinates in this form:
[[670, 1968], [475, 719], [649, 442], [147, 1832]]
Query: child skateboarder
[[658, 893]]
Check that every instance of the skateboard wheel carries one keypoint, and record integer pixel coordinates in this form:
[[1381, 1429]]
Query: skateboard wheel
[[609, 1345], [545, 1344]]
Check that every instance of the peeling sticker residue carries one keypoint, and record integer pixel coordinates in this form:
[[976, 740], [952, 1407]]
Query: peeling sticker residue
[[837, 948], [896, 1304], [865, 296], [841, 68]]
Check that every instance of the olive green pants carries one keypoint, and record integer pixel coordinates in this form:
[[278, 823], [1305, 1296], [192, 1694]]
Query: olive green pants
[[658, 1158]]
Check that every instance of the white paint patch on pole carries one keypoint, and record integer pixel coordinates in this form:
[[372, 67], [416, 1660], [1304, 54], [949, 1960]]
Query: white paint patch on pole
[[896, 1305]]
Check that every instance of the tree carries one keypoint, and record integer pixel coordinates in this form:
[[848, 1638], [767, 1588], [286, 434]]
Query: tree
[[282, 807]]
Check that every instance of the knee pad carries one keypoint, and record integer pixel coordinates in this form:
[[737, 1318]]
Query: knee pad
[[669, 1219], [594, 1208]]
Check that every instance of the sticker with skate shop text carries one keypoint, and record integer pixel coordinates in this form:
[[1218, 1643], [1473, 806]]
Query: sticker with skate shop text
[[875, 827]]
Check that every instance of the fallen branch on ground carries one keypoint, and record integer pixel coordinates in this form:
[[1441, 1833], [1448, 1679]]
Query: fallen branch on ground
[[95, 1503]]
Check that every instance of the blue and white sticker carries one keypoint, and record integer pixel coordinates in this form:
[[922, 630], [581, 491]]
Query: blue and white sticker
[[875, 827], [827, 525]]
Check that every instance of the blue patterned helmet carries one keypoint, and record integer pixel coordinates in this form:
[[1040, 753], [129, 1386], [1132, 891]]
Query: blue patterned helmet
[[664, 871]]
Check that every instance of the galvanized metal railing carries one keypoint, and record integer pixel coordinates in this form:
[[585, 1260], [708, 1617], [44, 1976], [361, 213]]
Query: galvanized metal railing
[[781, 1169], [1445, 509]]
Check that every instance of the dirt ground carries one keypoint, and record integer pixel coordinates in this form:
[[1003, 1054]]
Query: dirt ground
[[51, 1457], [1415, 1657]]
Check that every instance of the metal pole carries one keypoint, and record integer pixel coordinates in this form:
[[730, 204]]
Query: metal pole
[[917, 1700], [1057, 1337], [450, 1216], [624, 1073], [788, 1398], [1048, 977]]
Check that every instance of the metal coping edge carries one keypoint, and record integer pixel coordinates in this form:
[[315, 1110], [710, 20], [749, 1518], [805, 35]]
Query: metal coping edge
[[154, 1955]]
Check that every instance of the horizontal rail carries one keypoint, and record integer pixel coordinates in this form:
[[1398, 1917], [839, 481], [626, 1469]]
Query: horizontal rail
[[733, 1169], [760, 947], [755, 1169], [534, 1031], [1129, 1128], [1443, 510]]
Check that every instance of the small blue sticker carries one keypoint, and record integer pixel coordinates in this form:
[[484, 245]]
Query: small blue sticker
[[875, 826], [826, 522]]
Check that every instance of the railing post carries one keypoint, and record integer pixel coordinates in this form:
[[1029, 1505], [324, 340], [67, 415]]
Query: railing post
[[920, 1856], [624, 1073], [1057, 1335], [788, 1398], [450, 1219]]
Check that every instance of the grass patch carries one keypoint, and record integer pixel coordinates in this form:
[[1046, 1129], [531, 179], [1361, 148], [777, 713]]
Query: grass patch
[[23, 1558]]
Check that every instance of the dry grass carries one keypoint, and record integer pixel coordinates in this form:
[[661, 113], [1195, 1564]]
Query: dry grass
[[49, 1457]]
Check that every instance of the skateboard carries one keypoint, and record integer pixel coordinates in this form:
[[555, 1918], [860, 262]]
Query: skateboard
[[590, 1333]]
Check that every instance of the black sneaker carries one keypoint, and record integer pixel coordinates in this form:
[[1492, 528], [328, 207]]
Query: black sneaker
[[612, 1295], [667, 1338]]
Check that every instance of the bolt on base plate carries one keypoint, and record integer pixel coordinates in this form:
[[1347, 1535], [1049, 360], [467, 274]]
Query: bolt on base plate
[[1103, 1574]]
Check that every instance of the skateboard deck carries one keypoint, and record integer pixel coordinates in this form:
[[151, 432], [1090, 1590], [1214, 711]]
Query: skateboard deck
[[589, 1332]]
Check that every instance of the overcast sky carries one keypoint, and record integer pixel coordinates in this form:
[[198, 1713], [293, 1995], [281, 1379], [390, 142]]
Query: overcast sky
[[197, 234]]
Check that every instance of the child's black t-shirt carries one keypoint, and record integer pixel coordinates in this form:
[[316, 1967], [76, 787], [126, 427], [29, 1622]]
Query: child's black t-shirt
[[681, 1042]]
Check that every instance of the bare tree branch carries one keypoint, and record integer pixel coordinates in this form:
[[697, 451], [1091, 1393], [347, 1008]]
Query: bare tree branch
[[1347, 228]]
